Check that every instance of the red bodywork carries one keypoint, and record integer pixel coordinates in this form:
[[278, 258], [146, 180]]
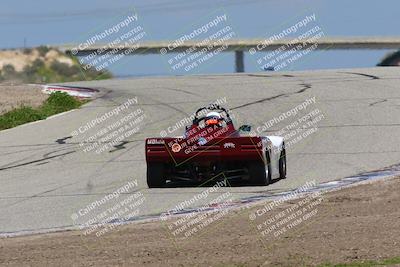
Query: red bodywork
[[205, 151]]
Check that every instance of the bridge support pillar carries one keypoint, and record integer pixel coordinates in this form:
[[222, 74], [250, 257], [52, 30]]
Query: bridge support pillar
[[239, 61]]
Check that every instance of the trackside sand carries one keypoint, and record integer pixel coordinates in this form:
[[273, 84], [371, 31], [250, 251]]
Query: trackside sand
[[14, 96]]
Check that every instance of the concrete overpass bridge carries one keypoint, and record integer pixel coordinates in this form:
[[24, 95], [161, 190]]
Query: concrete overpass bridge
[[238, 46]]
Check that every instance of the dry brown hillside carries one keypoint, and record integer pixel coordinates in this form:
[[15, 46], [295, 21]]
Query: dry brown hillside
[[44, 65]]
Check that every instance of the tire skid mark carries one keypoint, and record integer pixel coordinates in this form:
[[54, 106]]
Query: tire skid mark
[[378, 102], [35, 149], [343, 126], [36, 161], [373, 77], [42, 163], [31, 156], [182, 91], [120, 146], [61, 141], [345, 153], [270, 76], [302, 90], [23, 199]]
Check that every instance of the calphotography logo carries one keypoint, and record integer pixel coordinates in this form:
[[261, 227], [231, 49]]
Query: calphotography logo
[[114, 209], [108, 46], [194, 48], [192, 222], [304, 36]]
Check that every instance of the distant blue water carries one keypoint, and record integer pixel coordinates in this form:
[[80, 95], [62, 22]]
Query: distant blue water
[[33, 23]]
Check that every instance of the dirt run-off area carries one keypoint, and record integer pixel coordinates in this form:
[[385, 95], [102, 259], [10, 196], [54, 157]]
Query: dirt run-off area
[[352, 225], [14, 96]]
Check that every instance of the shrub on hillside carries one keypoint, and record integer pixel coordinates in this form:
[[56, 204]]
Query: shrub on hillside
[[43, 50], [64, 69], [9, 73], [27, 51]]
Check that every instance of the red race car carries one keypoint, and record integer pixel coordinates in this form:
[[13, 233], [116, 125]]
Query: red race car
[[213, 149]]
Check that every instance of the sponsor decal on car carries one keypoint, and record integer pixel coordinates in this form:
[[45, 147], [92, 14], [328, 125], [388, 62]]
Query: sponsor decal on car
[[176, 148], [202, 141], [229, 145], [155, 142]]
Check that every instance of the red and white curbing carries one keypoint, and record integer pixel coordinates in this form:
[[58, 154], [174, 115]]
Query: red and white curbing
[[80, 92]]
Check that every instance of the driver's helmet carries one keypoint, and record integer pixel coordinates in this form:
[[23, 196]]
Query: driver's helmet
[[213, 118]]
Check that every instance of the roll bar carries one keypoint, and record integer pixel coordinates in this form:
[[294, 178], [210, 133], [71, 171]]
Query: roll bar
[[209, 107]]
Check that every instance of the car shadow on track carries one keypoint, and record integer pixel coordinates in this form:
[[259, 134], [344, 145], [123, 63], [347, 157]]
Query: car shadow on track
[[230, 183]]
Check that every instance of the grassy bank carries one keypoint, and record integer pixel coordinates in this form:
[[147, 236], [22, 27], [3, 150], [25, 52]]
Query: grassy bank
[[57, 102]]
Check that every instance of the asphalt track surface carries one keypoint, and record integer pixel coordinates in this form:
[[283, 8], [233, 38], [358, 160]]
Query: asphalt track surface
[[45, 176]]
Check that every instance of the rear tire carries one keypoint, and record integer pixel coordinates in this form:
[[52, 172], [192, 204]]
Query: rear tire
[[155, 175], [282, 164], [258, 174]]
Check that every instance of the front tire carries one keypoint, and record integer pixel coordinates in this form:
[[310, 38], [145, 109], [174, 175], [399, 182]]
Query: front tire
[[155, 175]]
